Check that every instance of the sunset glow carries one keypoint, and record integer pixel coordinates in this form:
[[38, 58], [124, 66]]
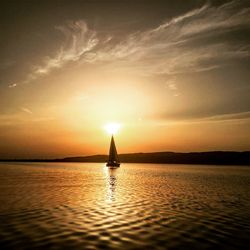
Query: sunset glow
[[176, 77], [124, 124]]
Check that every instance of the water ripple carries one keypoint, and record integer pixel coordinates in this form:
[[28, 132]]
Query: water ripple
[[87, 206]]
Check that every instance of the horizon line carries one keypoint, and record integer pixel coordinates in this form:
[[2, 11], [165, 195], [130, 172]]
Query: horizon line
[[122, 154]]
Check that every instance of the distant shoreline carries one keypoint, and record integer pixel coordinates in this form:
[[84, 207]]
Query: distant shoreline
[[202, 158]]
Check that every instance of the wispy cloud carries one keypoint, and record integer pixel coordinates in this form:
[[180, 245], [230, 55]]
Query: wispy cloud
[[226, 118], [230, 116], [17, 118], [175, 46], [172, 86], [79, 39], [219, 118], [26, 110], [226, 17], [13, 85]]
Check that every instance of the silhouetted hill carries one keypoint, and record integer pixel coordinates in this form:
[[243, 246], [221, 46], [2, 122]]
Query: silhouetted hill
[[213, 158]]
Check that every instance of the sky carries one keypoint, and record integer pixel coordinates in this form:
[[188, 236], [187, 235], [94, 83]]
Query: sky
[[174, 74]]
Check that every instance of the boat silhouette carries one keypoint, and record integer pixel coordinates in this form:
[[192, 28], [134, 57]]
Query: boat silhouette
[[113, 160]]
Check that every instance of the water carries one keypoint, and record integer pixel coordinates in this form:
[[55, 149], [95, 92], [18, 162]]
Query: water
[[147, 206]]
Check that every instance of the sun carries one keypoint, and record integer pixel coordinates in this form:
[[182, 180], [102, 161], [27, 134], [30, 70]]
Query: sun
[[112, 128]]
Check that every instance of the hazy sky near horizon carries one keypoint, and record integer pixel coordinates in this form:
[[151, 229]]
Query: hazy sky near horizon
[[175, 74]]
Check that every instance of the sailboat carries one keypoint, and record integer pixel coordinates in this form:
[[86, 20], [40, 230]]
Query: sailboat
[[113, 161]]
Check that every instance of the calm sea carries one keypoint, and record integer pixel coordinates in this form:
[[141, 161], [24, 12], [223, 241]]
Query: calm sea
[[147, 206]]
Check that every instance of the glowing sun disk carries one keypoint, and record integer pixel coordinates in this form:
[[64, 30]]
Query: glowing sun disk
[[112, 128]]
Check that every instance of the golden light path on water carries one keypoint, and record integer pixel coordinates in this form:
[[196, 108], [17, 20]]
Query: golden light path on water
[[137, 206]]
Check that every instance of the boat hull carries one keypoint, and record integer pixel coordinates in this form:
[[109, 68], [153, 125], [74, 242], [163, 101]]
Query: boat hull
[[113, 165]]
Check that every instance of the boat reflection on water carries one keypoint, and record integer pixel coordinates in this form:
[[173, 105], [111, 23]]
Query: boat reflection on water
[[111, 175]]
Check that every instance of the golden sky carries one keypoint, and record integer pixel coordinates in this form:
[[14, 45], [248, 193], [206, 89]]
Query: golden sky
[[174, 75]]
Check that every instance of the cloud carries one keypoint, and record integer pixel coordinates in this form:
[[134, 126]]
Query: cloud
[[79, 39], [181, 44], [176, 46], [171, 85], [13, 85], [229, 117], [223, 117], [26, 110], [226, 17], [16, 119]]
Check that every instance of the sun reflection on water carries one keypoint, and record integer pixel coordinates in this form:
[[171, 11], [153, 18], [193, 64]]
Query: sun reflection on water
[[137, 206], [111, 177]]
